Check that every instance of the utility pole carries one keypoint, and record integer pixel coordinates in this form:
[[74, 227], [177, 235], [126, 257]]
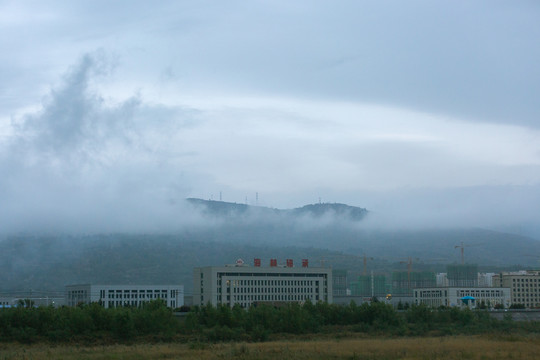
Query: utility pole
[[372, 286]]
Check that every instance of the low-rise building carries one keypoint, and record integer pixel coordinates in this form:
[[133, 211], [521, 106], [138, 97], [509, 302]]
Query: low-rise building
[[6, 303], [32, 298], [247, 285], [124, 295], [452, 296]]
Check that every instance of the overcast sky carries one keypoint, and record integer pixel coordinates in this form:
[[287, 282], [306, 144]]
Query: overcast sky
[[112, 112]]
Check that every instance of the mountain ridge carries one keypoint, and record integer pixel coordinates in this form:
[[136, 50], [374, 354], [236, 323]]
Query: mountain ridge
[[224, 208], [315, 232]]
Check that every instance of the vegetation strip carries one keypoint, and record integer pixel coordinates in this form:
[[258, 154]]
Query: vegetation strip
[[155, 322]]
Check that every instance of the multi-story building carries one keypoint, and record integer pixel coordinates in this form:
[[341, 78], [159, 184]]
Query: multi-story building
[[124, 295], [524, 286], [403, 282], [369, 286], [246, 285], [452, 296], [339, 282], [485, 279], [441, 280], [462, 275]]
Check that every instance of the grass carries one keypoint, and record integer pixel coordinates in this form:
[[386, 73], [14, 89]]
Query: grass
[[458, 347]]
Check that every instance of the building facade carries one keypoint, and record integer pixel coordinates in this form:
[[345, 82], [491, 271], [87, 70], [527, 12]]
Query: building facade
[[524, 286], [404, 282], [441, 280], [451, 296], [124, 295], [462, 275], [35, 298], [485, 279], [247, 285], [369, 286], [339, 282]]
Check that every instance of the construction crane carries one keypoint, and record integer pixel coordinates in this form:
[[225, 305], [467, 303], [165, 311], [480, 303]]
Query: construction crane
[[365, 263], [534, 256], [409, 263], [462, 247]]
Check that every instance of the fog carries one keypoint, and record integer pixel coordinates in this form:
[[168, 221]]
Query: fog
[[425, 114]]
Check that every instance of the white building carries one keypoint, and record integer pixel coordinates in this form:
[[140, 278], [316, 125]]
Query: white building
[[245, 285], [485, 279], [36, 298], [451, 296], [124, 295], [441, 280], [6, 303]]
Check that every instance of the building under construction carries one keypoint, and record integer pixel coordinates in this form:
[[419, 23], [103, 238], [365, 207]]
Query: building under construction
[[403, 282], [369, 286], [339, 282], [463, 275]]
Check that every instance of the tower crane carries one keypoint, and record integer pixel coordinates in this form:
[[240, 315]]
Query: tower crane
[[409, 263], [462, 247], [366, 258]]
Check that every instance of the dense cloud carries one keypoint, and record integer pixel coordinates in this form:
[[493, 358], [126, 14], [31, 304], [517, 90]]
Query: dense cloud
[[476, 61], [81, 164]]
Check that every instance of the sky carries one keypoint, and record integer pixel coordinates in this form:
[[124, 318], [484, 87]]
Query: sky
[[112, 112]]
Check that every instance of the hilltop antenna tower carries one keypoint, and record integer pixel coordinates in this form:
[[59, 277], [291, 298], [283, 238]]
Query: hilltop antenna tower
[[257, 199], [220, 196]]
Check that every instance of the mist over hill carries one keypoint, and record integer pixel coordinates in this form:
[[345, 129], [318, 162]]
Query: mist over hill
[[235, 211], [334, 235]]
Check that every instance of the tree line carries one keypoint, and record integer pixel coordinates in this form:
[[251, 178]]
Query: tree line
[[153, 321]]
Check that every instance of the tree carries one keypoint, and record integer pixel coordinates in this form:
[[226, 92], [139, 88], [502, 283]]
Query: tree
[[27, 303]]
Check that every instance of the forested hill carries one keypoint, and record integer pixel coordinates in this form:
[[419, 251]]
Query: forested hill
[[228, 209], [335, 235], [51, 262]]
